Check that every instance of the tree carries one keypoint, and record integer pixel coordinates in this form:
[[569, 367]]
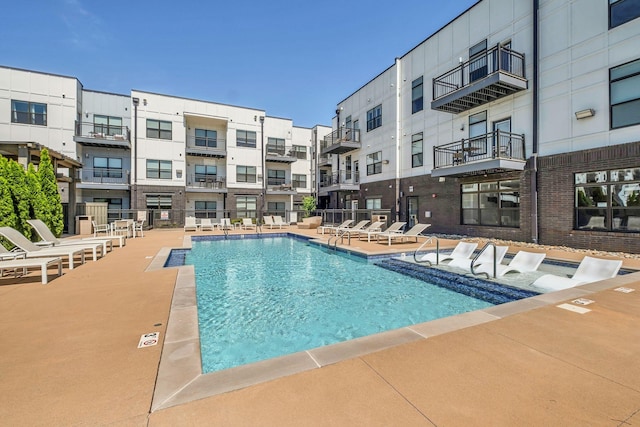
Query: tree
[[37, 201], [309, 205], [52, 210], [20, 195]]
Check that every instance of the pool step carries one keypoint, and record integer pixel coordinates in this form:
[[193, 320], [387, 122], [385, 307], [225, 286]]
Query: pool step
[[472, 286]]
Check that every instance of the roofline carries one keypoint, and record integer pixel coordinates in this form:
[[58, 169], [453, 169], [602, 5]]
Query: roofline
[[198, 100], [106, 93], [43, 73]]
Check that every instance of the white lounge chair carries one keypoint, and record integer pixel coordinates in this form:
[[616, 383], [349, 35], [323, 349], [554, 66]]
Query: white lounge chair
[[332, 228], [33, 251], [190, 224], [463, 250], [247, 223], [225, 224], [277, 220], [522, 262], [413, 232], [373, 227], [49, 239], [359, 226], [485, 257], [396, 227], [590, 270], [23, 264], [206, 224], [267, 221]]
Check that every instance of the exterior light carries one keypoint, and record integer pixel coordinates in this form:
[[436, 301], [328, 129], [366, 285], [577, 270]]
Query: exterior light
[[583, 114]]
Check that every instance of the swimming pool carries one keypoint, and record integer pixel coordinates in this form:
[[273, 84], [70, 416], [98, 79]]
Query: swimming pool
[[266, 297]]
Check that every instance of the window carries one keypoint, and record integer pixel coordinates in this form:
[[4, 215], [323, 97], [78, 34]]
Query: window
[[276, 208], [299, 152], [245, 174], [158, 201], [276, 177], [246, 206], [374, 118], [206, 138], [478, 134], [106, 125], [158, 129], [29, 113], [275, 146], [105, 167], [206, 173], [625, 94], [245, 138], [374, 163], [478, 61], [416, 95], [621, 11], [495, 203], [608, 200], [374, 203], [206, 209], [299, 181], [416, 150], [159, 169]]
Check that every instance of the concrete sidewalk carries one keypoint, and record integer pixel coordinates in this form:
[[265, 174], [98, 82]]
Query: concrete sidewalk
[[69, 357]]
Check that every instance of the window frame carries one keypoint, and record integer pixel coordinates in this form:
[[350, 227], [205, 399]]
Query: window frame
[[246, 175], [162, 133], [276, 176], [243, 138], [299, 152], [618, 79], [161, 171], [206, 140], [108, 171], [484, 192], [374, 118], [614, 3], [161, 201], [417, 158], [417, 102], [243, 204], [374, 165], [210, 173], [298, 180], [205, 208], [30, 116]]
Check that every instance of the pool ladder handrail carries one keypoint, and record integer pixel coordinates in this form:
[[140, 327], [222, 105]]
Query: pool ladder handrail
[[484, 248], [339, 235], [430, 239]]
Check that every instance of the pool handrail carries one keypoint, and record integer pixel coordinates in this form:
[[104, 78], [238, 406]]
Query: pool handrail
[[430, 239]]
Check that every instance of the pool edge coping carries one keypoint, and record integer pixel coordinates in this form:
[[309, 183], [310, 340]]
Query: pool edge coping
[[180, 378]]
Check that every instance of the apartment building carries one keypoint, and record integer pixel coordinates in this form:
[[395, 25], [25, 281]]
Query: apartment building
[[155, 152], [516, 120]]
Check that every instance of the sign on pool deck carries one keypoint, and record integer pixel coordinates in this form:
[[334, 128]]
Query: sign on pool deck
[[148, 340]]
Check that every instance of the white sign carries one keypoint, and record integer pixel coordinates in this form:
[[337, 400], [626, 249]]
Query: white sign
[[164, 215], [624, 290], [148, 340]]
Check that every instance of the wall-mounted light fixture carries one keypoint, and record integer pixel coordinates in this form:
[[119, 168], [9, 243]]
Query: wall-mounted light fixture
[[583, 114], [385, 162]]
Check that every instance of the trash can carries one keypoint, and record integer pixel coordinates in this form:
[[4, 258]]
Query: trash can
[[83, 224]]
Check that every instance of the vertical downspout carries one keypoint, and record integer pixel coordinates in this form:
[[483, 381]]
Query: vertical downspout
[[398, 136], [536, 125]]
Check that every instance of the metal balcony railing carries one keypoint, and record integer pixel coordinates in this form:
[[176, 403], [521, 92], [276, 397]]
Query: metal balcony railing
[[203, 142], [342, 134], [198, 180], [102, 131], [338, 178], [103, 176], [493, 145]]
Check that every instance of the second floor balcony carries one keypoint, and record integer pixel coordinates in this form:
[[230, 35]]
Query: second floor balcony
[[280, 153], [339, 181], [280, 186], [492, 152], [491, 75], [103, 178], [203, 183], [206, 147], [341, 141], [102, 135]]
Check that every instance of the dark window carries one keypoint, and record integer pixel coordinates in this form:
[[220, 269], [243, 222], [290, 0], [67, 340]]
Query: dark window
[[245, 174], [158, 129], [276, 177], [107, 126], [608, 200], [374, 118], [158, 201], [275, 146], [206, 173], [276, 208], [299, 152], [29, 113], [625, 94], [478, 61], [206, 208], [416, 150], [298, 181], [106, 167], [245, 138], [416, 95], [621, 11], [206, 138], [159, 169], [495, 203], [374, 163]]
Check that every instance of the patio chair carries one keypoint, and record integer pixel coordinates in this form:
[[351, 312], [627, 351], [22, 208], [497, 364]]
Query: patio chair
[[522, 262], [122, 227], [23, 264], [225, 224], [396, 227], [413, 232], [190, 224], [373, 227], [31, 250], [590, 270], [277, 220], [247, 223], [100, 228], [267, 221], [138, 228], [486, 256], [206, 224], [332, 228], [463, 250], [49, 239], [358, 226]]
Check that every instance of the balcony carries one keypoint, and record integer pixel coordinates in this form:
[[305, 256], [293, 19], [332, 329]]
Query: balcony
[[324, 161], [100, 135], [206, 147], [103, 179], [497, 151], [278, 153], [339, 181], [341, 141], [203, 183], [494, 74], [280, 186]]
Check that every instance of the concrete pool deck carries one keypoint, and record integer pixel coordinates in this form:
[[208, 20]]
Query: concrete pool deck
[[69, 356]]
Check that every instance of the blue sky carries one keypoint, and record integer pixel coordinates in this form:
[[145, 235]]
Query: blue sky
[[293, 58]]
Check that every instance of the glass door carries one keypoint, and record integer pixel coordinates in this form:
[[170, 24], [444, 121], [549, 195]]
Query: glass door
[[412, 210], [502, 138]]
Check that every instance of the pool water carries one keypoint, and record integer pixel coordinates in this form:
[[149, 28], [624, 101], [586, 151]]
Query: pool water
[[263, 298]]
